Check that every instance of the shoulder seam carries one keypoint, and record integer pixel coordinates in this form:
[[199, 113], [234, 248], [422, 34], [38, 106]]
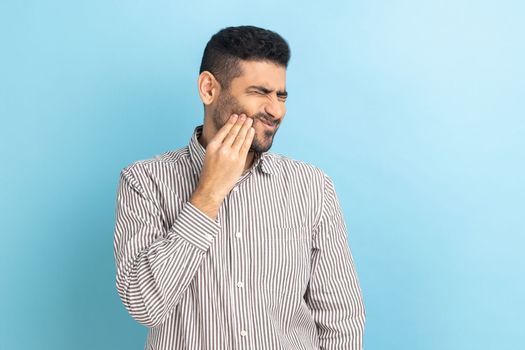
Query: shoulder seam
[[323, 198]]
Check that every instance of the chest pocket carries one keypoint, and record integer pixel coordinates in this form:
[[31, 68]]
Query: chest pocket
[[282, 256]]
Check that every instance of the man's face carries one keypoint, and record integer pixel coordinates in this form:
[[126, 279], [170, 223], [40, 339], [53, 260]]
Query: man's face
[[260, 93]]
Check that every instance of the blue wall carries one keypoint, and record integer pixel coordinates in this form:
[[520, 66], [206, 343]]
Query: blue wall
[[415, 108]]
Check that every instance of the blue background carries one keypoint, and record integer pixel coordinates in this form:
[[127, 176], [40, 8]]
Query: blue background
[[414, 108]]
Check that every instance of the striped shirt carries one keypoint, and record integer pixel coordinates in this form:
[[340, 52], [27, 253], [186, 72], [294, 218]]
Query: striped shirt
[[272, 271]]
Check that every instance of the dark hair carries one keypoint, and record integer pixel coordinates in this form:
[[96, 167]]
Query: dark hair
[[230, 45]]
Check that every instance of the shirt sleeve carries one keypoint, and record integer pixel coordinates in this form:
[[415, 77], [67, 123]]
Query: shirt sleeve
[[334, 294], [155, 265]]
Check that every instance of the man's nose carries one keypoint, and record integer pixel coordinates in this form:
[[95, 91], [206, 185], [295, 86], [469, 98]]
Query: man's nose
[[275, 109]]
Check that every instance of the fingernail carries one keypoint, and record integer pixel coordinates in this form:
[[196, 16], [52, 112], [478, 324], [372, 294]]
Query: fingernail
[[243, 117]]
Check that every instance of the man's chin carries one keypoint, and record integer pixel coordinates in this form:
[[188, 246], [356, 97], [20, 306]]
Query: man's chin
[[260, 149]]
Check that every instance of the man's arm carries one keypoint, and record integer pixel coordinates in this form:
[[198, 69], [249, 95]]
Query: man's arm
[[334, 294], [155, 265]]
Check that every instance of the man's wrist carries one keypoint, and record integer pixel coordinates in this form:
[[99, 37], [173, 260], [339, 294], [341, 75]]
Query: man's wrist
[[206, 202]]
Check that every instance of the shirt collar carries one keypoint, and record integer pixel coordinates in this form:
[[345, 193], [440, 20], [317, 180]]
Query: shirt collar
[[265, 160]]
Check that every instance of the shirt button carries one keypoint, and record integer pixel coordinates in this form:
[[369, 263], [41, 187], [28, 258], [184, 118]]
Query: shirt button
[[235, 189], [244, 333], [238, 234], [240, 284]]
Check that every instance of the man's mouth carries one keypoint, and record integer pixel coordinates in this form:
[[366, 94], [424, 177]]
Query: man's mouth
[[268, 123]]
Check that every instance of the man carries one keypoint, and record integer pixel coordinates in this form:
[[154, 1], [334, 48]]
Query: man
[[225, 245]]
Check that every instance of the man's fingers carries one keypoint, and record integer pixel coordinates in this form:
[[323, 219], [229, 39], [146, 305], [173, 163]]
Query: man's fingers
[[221, 134], [228, 140], [245, 147], [241, 135]]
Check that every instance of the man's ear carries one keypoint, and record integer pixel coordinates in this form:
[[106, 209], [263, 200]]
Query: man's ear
[[209, 88]]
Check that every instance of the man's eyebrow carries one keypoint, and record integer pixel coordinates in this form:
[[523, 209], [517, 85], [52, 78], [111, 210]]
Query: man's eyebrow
[[267, 91]]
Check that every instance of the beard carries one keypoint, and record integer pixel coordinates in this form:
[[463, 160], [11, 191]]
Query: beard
[[228, 105]]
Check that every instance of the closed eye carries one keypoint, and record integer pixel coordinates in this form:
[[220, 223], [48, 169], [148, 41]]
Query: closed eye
[[281, 97]]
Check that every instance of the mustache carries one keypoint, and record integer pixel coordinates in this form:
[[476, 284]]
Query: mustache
[[266, 118]]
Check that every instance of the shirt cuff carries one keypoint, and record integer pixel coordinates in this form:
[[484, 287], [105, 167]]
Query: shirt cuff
[[196, 227]]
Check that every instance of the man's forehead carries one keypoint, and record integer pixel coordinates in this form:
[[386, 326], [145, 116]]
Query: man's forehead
[[263, 73], [263, 70]]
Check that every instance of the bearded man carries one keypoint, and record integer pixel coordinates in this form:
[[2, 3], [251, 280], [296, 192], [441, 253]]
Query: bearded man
[[224, 244]]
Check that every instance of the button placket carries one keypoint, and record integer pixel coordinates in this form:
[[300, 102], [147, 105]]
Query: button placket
[[239, 261]]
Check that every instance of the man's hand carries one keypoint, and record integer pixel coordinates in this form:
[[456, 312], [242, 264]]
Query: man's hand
[[224, 163]]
